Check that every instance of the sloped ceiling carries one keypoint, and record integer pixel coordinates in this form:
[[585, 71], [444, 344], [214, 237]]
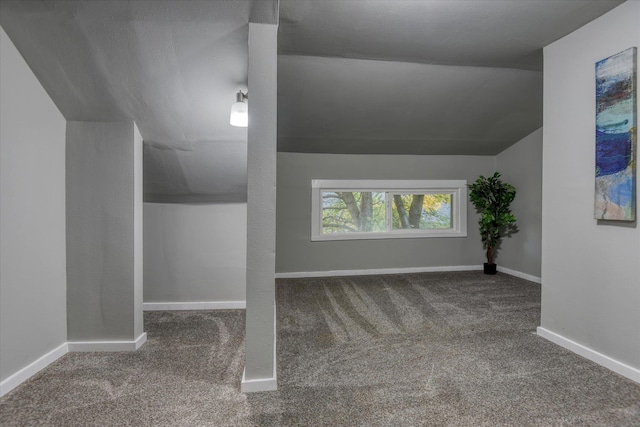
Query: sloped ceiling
[[171, 66], [416, 77], [355, 76]]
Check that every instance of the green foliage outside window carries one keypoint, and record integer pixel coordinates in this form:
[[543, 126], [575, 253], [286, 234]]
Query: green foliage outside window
[[347, 211], [421, 211]]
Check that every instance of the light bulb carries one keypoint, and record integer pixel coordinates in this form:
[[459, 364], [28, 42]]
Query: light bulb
[[240, 111]]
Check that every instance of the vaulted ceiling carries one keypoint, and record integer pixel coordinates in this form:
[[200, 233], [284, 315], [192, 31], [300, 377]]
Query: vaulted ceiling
[[416, 77], [355, 76]]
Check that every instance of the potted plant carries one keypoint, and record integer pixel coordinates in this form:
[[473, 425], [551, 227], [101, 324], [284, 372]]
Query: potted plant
[[492, 199]]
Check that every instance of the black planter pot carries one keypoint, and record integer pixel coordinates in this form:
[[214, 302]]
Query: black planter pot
[[490, 268]]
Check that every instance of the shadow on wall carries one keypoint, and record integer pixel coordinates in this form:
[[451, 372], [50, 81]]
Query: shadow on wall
[[208, 173]]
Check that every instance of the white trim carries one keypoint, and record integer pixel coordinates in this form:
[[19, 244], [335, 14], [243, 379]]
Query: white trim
[[524, 276], [260, 384], [275, 343], [86, 346], [72, 346], [457, 189], [392, 234], [599, 358], [264, 384], [385, 184], [31, 369], [375, 271], [198, 305]]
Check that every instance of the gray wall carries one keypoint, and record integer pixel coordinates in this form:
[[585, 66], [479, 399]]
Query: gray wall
[[195, 252], [521, 166], [297, 253], [590, 270], [260, 361], [104, 200], [32, 217]]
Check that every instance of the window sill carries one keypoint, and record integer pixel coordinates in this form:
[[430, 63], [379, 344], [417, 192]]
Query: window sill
[[389, 235]]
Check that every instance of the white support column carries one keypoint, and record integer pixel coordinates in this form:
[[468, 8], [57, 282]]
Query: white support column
[[260, 362]]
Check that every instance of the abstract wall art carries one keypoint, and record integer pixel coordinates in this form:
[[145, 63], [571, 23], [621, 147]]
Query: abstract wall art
[[616, 135]]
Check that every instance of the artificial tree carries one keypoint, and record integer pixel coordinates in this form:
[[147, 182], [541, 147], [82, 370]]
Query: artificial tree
[[492, 199]]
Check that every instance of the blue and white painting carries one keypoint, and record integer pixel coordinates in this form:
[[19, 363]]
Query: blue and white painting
[[616, 128]]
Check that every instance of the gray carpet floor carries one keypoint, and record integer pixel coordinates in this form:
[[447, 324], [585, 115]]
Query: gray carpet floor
[[431, 349]]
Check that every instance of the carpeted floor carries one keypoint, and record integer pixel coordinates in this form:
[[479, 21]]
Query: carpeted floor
[[400, 350]]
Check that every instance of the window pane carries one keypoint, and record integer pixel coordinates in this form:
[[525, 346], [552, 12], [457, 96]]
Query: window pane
[[421, 211], [387, 209], [352, 212]]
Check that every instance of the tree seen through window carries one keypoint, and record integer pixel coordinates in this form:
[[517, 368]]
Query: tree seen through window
[[365, 211]]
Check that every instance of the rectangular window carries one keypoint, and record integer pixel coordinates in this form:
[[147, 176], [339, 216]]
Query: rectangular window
[[388, 209], [424, 211], [352, 212]]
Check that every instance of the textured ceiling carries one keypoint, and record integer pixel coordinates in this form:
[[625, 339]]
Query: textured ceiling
[[173, 67], [486, 33], [355, 76], [416, 77], [334, 105]]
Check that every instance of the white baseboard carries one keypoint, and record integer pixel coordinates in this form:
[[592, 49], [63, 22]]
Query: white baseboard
[[599, 358], [367, 272], [374, 271], [86, 346], [264, 384], [199, 305], [257, 385], [33, 368], [73, 346], [524, 276]]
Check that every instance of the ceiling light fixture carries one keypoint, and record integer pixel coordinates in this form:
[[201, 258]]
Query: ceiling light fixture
[[240, 110]]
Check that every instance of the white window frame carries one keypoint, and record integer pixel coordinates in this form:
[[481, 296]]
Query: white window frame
[[457, 188]]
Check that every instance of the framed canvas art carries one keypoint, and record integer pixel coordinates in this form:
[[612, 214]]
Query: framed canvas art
[[616, 135]]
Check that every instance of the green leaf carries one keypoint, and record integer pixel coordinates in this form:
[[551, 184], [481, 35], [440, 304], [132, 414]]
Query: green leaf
[[492, 199]]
